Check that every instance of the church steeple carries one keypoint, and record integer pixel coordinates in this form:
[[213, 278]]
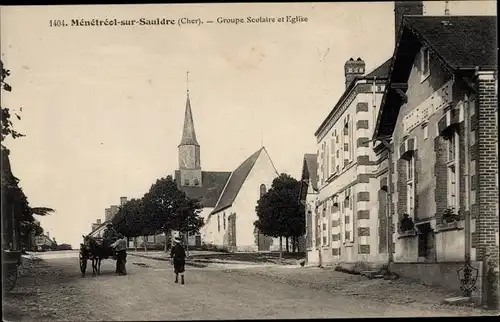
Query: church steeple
[[188, 133], [189, 150]]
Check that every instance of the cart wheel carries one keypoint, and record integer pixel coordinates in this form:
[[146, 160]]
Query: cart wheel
[[9, 279], [83, 265]]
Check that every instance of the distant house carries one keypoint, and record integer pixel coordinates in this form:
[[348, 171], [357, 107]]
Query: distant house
[[98, 230], [308, 197], [44, 242], [439, 114]]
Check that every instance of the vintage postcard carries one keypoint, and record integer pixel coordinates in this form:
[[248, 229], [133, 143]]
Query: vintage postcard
[[249, 160]]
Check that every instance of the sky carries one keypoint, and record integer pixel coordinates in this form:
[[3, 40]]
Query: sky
[[103, 107]]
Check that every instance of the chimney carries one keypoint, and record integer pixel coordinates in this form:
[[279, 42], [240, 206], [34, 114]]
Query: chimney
[[405, 8], [123, 200], [113, 212], [98, 221], [48, 234], [107, 214], [353, 68]]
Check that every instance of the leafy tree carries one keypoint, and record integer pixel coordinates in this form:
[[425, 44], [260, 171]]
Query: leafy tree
[[167, 208], [15, 202], [7, 126], [129, 219], [42, 211], [279, 213]]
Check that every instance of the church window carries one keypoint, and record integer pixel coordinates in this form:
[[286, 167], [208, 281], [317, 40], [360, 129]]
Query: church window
[[262, 189], [218, 222], [224, 220], [196, 181]]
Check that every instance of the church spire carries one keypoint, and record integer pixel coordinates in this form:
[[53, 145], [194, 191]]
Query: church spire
[[188, 133]]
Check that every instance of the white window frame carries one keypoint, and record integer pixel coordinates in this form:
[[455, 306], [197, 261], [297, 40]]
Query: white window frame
[[332, 154], [327, 161], [452, 171], [351, 139], [344, 141], [410, 186], [425, 60]]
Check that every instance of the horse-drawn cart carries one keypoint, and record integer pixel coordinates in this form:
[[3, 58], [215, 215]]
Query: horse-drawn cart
[[94, 249]]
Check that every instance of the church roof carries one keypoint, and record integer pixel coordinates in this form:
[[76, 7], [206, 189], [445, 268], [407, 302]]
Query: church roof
[[188, 133], [212, 185], [236, 180], [381, 71]]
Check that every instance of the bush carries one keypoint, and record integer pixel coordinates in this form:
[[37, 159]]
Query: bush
[[211, 247], [361, 266], [64, 247]]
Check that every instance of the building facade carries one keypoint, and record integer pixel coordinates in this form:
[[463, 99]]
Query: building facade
[[349, 221], [346, 217], [438, 116]]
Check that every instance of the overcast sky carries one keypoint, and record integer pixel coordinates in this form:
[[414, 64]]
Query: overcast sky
[[103, 107]]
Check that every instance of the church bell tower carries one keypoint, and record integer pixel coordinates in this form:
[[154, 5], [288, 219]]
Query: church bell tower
[[189, 151]]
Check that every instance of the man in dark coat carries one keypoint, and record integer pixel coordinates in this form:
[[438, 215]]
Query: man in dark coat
[[179, 257], [120, 247]]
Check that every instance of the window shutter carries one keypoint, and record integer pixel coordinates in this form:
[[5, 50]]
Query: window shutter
[[351, 145]]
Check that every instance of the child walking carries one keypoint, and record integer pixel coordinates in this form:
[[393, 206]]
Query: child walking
[[179, 256]]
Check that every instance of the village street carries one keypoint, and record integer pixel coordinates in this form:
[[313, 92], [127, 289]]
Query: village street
[[53, 289]]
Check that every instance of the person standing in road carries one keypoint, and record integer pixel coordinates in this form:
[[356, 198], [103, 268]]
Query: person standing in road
[[178, 254], [120, 247]]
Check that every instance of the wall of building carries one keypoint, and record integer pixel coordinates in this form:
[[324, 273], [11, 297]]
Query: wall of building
[[438, 95], [263, 172], [429, 154], [347, 223], [216, 229], [486, 165], [312, 252], [205, 231]]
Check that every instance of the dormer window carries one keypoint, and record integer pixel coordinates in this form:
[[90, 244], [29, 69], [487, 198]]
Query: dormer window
[[425, 58], [196, 182], [186, 182]]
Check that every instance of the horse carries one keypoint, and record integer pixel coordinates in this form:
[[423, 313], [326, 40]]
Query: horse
[[96, 249]]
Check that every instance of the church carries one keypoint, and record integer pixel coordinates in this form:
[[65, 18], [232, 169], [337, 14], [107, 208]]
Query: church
[[228, 198]]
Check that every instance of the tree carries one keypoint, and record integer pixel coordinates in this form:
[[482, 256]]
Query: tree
[[186, 218], [16, 212], [42, 211], [129, 220], [7, 126], [167, 208], [279, 213]]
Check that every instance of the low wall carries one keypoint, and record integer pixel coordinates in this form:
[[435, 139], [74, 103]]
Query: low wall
[[438, 274]]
